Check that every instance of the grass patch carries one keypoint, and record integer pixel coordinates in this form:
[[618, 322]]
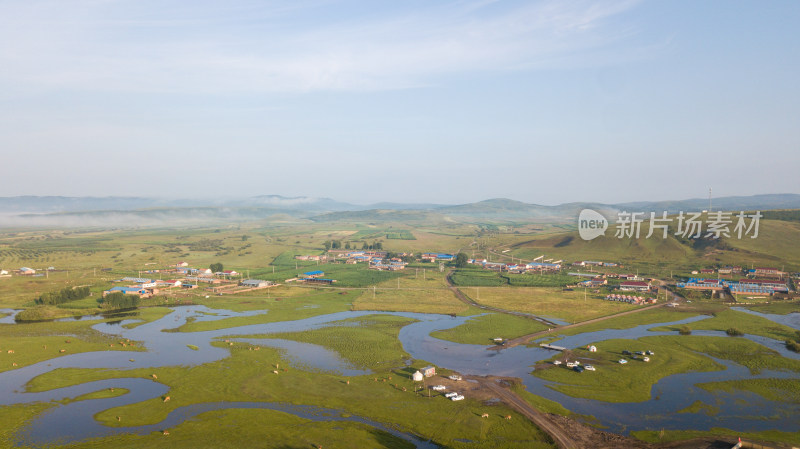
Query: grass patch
[[613, 382], [433, 300], [569, 306], [740, 350], [741, 321], [773, 389], [652, 316], [700, 407], [365, 342], [480, 330]]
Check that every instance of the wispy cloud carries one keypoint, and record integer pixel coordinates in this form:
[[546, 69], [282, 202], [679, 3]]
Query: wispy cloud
[[148, 46]]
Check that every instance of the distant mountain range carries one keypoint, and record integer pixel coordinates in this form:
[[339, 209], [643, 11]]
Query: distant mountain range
[[50, 211]]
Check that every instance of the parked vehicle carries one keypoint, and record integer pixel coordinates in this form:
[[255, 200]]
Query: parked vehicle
[[590, 368], [452, 394], [454, 377], [438, 388], [457, 398], [622, 361]]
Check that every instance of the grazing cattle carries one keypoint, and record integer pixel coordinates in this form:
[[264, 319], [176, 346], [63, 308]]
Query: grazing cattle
[[63, 350], [166, 432], [44, 347], [10, 351], [348, 382], [508, 417], [485, 415], [154, 376], [119, 419], [167, 398], [275, 371], [404, 389], [14, 364], [111, 345], [112, 389], [67, 341]]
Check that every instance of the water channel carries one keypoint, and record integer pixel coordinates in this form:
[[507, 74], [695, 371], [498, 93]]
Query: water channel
[[738, 409]]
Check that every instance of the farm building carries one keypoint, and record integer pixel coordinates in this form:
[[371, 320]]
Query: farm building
[[429, 371], [313, 274], [703, 284], [430, 257], [127, 290], [596, 282], [181, 264], [767, 271], [417, 376], [135, 280], [543, 266], [255, 283], [25, 271], [168, 283], [634, 286], [323, 281]]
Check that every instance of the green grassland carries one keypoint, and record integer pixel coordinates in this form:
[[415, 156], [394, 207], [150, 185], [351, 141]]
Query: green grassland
[[745, 322], [438, 300], [773, 389], [700, 407], [36, 342], [482, 329], [478, 277], [613, 382], [652, 316], [366, 342], [247, 376], [569, 306], [223, 429]]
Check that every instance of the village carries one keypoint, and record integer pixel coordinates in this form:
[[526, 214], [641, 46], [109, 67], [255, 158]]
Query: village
[[601, 276]]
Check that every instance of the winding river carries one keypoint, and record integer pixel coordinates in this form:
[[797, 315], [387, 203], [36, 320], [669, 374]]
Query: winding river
[[738, 410]]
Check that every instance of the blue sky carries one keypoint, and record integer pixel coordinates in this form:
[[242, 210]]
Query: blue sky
[[416, 101]]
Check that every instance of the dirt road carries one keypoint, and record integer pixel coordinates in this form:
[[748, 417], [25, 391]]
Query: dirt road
[[463, 298]]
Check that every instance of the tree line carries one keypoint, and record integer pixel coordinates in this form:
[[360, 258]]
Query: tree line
[[337, 244], [65, 295], [120, 300]]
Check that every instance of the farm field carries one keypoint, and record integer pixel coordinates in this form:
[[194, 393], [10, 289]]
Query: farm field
[[569, 306]]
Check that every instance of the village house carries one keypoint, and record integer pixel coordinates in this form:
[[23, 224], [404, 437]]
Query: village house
[[255, 283], [638, 286], [142, 293], [428, 371]]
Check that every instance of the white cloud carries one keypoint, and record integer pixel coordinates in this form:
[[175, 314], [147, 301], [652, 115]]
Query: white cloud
[[141, 46]]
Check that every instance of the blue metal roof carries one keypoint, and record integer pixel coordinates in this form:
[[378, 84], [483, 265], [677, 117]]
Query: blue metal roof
[[314, 273]]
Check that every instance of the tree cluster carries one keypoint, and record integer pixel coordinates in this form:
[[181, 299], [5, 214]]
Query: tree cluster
[[461, 260], [216, 267], [66, 295], [119, 300]]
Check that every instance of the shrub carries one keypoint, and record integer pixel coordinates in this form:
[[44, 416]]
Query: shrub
[[685, 330], [733, 332]]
